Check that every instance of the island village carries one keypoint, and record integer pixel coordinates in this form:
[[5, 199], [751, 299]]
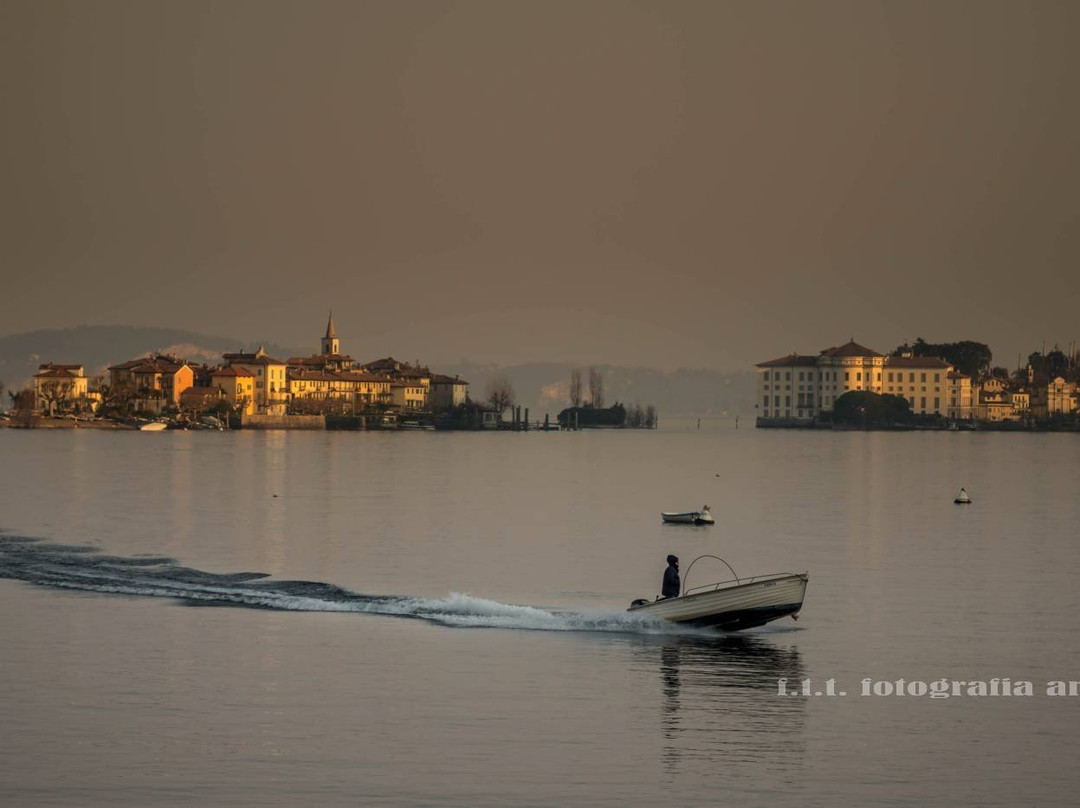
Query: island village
[[920, 386], [256, 390], [916, 386]]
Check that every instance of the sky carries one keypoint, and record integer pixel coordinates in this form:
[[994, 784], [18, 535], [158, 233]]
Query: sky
[[667, 184]]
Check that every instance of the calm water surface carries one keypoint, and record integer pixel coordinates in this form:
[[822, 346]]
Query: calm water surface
[[461, 636]]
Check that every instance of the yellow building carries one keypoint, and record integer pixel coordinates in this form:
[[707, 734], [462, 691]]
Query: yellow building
[[60, 388], [408, 395], [961, 402], [271, 383], [801, 387], [353, 388], [238, 384]]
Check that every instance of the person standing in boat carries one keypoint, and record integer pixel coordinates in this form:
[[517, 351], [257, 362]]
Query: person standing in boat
[[672, 586]]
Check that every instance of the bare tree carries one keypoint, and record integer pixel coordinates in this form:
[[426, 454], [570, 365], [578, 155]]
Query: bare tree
[[55, 395], [575, 387], [119, 396], [596, 388], [500, 394]]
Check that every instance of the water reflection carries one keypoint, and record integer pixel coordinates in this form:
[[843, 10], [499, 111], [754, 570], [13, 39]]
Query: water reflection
[[719, 704]]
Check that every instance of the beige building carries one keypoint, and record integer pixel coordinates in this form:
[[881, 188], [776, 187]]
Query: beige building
[[271, 382], [802, 387], [60, 388], [1058, 397], [447, 392]]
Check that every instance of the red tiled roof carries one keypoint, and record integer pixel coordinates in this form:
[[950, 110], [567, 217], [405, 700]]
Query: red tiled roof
[[201, 393], [260, 357], [233, 371], [358, 376], [791, 360], [953, 374], [438, 378], [151, 364], [850, 348], [57, 372]]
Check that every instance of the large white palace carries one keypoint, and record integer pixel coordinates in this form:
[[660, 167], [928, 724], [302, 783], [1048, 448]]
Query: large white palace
[[802, 387]]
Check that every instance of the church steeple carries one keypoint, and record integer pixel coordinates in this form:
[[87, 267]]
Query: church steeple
[[330, 343]]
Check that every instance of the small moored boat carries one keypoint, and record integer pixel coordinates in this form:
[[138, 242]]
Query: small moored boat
[[702, 517], [962, 498], [731, 605], [153, 426]]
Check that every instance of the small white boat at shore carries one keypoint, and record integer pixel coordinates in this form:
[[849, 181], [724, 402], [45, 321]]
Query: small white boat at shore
[[153, 426], [732, 605], [702, 517]]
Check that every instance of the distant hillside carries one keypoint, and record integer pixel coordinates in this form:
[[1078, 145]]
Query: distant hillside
[[98, 346], [544, 387]]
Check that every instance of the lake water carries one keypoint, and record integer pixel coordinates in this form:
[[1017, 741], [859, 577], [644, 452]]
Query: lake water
[[480, 653]]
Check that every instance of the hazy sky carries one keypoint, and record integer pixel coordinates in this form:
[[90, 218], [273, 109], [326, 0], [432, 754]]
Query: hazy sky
[[672, 183]]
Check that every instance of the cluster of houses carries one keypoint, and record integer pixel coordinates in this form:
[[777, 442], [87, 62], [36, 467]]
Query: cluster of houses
[[800, 388], [257, 384]]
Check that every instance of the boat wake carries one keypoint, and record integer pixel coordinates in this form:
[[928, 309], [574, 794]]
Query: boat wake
[[87, 569]]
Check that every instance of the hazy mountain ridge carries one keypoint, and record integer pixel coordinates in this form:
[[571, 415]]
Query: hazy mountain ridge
[[98, 346], [544, 387], [541, 386]]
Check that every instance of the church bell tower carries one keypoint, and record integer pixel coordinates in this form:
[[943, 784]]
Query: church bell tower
[[330, 343]]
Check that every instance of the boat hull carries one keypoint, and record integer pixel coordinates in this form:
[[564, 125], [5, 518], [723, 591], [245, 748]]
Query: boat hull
[[733, 608], [692, 518]]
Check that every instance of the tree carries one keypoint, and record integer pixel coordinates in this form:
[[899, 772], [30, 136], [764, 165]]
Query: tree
[[23, 404], [575, 387], [500, 394], [971, 358], [650, 417], [1, 389], [55, 394], [596, 388], [119, 396], [867, 409]]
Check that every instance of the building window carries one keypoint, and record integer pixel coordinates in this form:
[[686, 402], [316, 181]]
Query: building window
[[766, 375], [787, 402], [766, 402], [858, 377], [847, 376], [922, 404], [937, 405], [923, 379], [937, 378], [890, 377]]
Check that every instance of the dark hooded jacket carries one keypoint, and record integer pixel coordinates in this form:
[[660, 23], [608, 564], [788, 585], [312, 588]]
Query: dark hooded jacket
[[672, 585]]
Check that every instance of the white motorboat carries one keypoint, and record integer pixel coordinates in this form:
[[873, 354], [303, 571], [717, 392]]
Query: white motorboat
[[153, 426], [702, 517], [732, 605]]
